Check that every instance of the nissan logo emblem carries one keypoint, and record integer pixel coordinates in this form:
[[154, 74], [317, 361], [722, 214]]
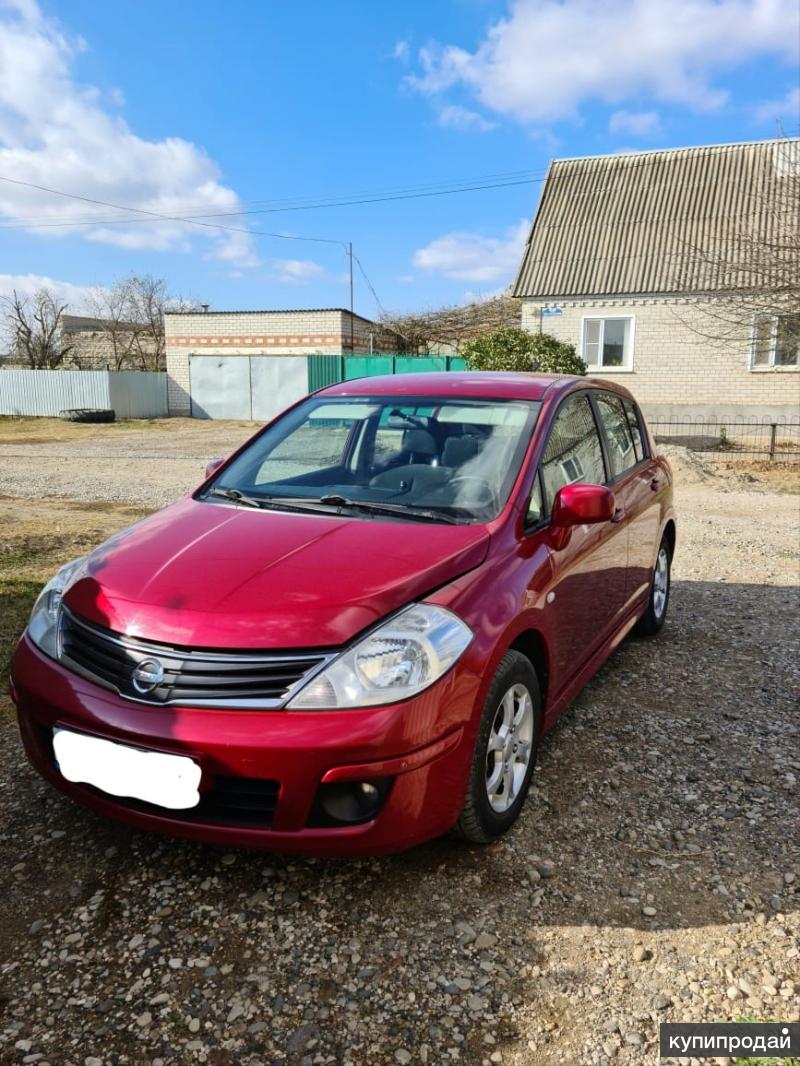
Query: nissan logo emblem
[[147, 675]]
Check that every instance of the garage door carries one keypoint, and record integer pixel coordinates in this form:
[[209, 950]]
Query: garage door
[[245, 387], [276, 381], [220, 386]]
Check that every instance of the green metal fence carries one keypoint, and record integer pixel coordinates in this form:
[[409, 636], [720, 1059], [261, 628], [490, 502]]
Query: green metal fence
[[329, 369]]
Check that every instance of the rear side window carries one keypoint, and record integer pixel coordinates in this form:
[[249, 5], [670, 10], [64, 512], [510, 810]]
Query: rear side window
[[636, 429], [573, 451], [621, 453]]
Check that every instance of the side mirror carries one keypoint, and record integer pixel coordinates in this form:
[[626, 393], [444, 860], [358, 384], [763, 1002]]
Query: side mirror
[[213, 466], [579, 505]]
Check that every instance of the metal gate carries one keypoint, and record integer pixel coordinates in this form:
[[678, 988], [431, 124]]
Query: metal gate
[[329, 369], [245, 387]]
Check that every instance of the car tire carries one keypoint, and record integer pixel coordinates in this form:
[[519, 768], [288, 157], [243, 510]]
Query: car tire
[[491, 806], [652, 621], [87, 414]]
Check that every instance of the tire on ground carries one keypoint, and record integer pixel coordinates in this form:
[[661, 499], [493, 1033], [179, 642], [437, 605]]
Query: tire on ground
[[87, 414], [478, 823]]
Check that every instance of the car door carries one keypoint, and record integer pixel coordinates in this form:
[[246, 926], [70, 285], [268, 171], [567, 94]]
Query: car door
[[587, 596], [634, 480]]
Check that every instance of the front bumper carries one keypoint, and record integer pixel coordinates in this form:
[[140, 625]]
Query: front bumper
[[422, 748]]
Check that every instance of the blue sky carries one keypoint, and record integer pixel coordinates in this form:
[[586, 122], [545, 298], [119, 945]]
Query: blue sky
[[209, 108]]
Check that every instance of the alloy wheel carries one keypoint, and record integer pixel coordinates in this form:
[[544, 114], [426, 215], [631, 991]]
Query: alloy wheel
[[509, 749], [661, 582]]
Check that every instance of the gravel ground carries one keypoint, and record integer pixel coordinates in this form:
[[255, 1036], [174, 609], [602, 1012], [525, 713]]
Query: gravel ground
[[151, 465], [653, 875]]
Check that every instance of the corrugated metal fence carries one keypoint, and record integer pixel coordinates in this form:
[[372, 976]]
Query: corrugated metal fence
[[130, 393], [329, 369]]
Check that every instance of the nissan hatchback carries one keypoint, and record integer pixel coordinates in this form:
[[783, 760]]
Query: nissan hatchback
[[352, 636]]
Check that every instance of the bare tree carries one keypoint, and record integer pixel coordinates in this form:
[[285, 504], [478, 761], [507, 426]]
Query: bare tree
[[425, 332], [33, 324], [130, 316], [751, 267]]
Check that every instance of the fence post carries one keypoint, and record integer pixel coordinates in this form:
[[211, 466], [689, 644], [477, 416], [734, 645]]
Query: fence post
[[772, 437]]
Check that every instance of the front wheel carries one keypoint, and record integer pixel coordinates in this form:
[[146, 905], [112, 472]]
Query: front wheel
[[505, 752], [652, 621]]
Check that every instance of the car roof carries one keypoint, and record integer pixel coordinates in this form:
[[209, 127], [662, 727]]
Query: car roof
[[486, 384]]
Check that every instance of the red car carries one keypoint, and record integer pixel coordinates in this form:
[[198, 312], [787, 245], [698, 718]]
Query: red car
[[353, 635]]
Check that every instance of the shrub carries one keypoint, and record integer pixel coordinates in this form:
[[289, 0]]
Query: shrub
[[509, 348]]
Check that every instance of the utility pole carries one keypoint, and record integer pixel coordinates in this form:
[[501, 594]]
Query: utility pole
[[350, 257]]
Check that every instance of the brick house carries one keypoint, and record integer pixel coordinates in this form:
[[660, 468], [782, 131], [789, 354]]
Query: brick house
[[641, 261], [100, 344], [252, 364]]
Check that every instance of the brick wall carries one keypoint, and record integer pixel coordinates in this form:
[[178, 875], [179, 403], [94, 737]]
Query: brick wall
[[673, 366], [322, 332], [94, 350]]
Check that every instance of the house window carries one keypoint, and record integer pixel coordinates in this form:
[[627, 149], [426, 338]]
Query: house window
[[608, 343], [776, 341]]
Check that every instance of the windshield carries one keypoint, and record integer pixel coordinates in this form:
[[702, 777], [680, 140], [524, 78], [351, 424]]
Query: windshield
[[453, 458]]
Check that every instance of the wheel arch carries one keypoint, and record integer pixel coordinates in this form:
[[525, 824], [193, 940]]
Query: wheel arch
[[533, 646], [670, 534]]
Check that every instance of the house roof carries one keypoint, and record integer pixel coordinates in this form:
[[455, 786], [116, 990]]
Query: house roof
[[668, 221]]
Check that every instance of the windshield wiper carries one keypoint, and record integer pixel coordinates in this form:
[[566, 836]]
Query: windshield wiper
[[235, 496], [315, 505], [264, 502], [370, 507]]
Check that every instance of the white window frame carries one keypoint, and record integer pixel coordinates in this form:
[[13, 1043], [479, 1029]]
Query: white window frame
[[773, 346], [627, 366]]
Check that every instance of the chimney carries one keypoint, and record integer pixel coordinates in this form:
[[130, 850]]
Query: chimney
[[205, 308]]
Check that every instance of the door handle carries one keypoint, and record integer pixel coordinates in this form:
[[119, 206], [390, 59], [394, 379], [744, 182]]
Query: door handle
[[618, 515]]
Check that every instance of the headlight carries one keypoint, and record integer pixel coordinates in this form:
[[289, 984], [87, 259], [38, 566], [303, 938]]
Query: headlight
[[397, 660], [43, 624]]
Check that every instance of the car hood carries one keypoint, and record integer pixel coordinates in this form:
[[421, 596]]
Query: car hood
[[219, 576]]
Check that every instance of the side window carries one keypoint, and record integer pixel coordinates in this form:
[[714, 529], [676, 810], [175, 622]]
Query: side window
[[573, 451], [621, 453], [636, 429], [535, 511]]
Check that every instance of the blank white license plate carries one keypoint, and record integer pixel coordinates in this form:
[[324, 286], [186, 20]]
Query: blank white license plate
[[165, 780]]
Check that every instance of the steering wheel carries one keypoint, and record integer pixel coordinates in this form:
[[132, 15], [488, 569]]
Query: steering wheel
[[485, 497]]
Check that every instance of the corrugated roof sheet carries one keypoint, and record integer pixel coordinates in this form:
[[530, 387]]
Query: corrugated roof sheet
[[656, 222]]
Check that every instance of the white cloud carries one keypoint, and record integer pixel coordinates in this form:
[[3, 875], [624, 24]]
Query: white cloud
[[455, 117], [786, 108], [401, 51], [547, 57], [58, 133], [295, 271], [473, 256], [637, 123], [77, 297]]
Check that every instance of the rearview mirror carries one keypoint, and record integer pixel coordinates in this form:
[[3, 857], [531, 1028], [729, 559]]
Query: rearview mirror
[[579, 505], [213, 466]]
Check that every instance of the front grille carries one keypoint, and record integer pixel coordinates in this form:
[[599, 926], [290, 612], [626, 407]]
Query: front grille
[[249, 801], [229, 801], [194, 676]]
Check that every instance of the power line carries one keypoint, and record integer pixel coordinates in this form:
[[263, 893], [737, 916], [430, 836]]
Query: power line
[[195, 219], [302, 201], [375, 296], [156, 216]]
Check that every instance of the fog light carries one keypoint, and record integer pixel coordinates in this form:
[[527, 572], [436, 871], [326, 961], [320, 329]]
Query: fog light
[[349, 802]]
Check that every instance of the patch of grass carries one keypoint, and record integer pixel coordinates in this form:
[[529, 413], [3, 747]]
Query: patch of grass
[[770, 1060]]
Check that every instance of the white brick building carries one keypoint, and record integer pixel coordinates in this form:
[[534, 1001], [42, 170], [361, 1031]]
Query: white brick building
[[235, 337], [629, 259]]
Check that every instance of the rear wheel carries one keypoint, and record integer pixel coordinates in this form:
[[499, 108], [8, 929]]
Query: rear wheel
[[505, 752], [652, 621]]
